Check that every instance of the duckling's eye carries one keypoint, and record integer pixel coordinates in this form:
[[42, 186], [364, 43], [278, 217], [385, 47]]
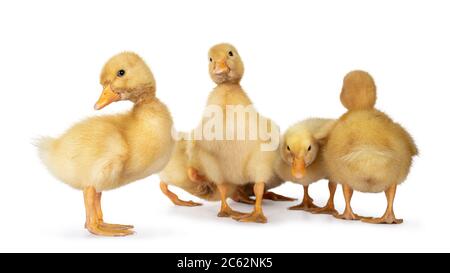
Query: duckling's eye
[[309, 148], [120, 73], [230, 53], [210, 59], [288, 148]]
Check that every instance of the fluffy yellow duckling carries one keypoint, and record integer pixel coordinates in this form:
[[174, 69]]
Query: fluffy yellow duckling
[[367, 151], [106, 152], [301, 160], [234, 161]]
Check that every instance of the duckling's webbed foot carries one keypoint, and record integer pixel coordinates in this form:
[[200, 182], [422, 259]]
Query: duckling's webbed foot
[[174, 198], [94, 217], [306, 206], [268, 195], [389, 216], [99, 229], [228, 212], [325, 210], [329, 207], [255, 217], [189, 203], [348, 212], [307, 203], [115, 226], [385, 219], [348, 215], [225, 210]]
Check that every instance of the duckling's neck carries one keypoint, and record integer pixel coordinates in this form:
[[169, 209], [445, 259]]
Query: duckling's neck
[[228, 94], [149, 107], [230, 85], [143, 100]]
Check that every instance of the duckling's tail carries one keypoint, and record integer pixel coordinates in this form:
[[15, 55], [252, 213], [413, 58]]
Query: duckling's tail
[[358, 91], [45, 147]]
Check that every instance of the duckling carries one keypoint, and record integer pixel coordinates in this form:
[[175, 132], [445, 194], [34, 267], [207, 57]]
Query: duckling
[[366, 150], [301, 160], [235, 161], [106, 152]]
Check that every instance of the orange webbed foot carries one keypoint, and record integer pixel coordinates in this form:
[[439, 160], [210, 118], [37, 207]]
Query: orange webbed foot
[[100, 229], [228, 212], [254, 217], [385, 219], [276, 197]]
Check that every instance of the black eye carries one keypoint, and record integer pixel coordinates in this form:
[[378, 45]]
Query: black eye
[[230, 53], [309, 148], [120, 73], [288, 148], [210, 60]]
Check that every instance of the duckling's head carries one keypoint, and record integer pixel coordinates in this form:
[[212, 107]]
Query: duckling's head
[[358, 91], [301, 144], [125, 77], [225, 64]]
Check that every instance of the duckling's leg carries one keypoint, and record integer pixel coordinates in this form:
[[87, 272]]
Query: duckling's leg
[[225, 210], [195, 176], [389, 216], [348, 212], [257, 215], [277, 197], [329, 207], [174, 198], [92, 220], [98, 208], [242, 197], [307, 203]]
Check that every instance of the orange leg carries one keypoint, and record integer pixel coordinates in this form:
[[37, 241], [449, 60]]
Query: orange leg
[[257, 215], [174, 198], [329, 207], [241, 196], [195, 176], [307, 203], [389, 216], [98, 209], [225, 210], [93, 223], [348, 212]]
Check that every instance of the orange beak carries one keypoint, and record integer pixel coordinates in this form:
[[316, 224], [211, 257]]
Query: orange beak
[[108, 96], [221, 68], [298, 169]]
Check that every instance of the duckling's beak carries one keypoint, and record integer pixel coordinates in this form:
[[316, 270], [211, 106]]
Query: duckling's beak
[[298, 169], [221, 68], [108, 96]]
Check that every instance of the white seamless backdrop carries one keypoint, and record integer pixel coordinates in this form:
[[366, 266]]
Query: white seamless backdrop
[[295, 53]]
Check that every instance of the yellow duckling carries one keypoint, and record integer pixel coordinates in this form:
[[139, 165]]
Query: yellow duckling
[[106, 152], [235, 161], [301, 160], [367, 151]]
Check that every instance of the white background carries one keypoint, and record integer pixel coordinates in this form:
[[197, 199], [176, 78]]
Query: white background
[[295, 53]]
